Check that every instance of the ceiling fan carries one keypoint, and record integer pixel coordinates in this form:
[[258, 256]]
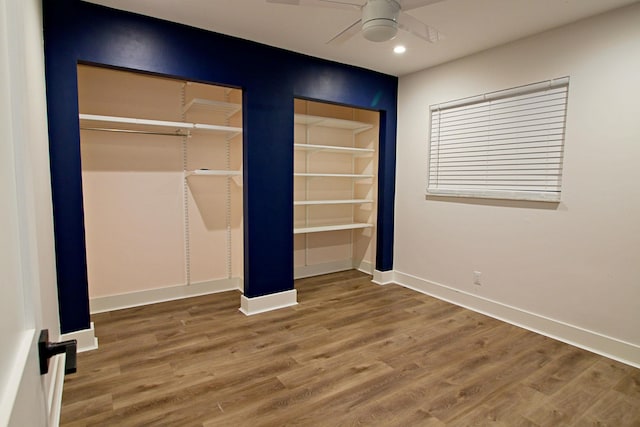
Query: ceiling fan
[[380, 19]]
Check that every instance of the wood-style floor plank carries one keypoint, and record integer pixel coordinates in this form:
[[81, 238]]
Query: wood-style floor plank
[[350, 353]]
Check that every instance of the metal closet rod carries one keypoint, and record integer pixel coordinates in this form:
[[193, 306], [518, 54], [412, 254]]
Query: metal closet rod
[[144, 132]]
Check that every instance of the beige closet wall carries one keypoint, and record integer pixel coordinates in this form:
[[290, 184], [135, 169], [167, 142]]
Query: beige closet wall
[[325, 248], [215, 252], [133, 188], [365, 239]]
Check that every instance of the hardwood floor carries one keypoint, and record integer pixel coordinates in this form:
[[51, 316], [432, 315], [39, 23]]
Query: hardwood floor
[[350, 353]]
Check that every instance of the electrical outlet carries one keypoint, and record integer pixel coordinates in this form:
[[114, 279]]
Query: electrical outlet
[[476, 278]]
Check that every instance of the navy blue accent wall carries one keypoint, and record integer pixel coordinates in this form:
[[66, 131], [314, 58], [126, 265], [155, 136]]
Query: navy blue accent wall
[[78, 32]]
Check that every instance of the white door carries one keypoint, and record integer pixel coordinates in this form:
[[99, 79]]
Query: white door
[[27, 272]]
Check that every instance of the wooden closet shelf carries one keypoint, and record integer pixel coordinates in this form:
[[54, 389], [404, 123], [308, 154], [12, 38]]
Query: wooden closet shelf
[[331, 202], [210, 172], [226, 108], [337, 227], [334, 149], [352, 125], [131, 123], [334, 175]]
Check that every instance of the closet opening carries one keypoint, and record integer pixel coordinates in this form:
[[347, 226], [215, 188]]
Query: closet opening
[[162, 187], [335, 188]]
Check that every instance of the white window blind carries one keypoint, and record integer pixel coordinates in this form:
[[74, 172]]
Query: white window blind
[[505, 145]]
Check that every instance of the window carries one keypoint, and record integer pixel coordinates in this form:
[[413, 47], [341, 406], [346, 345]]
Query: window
[[503, 145]]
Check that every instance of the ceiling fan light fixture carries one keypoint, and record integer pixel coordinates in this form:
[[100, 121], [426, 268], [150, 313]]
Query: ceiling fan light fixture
[[380, 20], [379, 30]]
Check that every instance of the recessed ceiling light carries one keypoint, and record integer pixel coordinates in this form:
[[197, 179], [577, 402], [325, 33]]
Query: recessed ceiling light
[[399, 49]]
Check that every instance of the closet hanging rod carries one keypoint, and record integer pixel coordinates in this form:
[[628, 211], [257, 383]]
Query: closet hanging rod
[[144, 132]]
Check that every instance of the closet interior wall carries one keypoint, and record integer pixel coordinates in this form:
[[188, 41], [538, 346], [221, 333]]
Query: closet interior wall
[[335, 188], [162, 183]]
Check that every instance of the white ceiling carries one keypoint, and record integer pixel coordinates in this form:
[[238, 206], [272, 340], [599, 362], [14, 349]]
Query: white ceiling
[[468, 26]]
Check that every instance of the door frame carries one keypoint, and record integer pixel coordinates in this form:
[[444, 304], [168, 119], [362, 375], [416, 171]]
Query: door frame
[[27, 398]]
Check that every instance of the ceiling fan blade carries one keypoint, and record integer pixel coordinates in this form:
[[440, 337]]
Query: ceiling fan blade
[[414, 4], [334, 4], [346, 34], [418, 28]]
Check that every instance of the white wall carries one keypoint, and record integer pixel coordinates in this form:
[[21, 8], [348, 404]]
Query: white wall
[[576, 263]]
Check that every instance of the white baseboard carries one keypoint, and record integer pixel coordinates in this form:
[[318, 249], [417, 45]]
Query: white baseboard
[[54, 403], [153, 296], [612, 348], [256, 305], [86, 338], [324, 268], [365, 267], [332, 267], [383, 277]]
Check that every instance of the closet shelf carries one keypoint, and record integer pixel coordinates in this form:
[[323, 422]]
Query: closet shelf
[[334, 175], [210, 172], [334, 149], [352, 125], [236, 176], [226, 108], [131, 123], [337, 227], [331, 202]]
